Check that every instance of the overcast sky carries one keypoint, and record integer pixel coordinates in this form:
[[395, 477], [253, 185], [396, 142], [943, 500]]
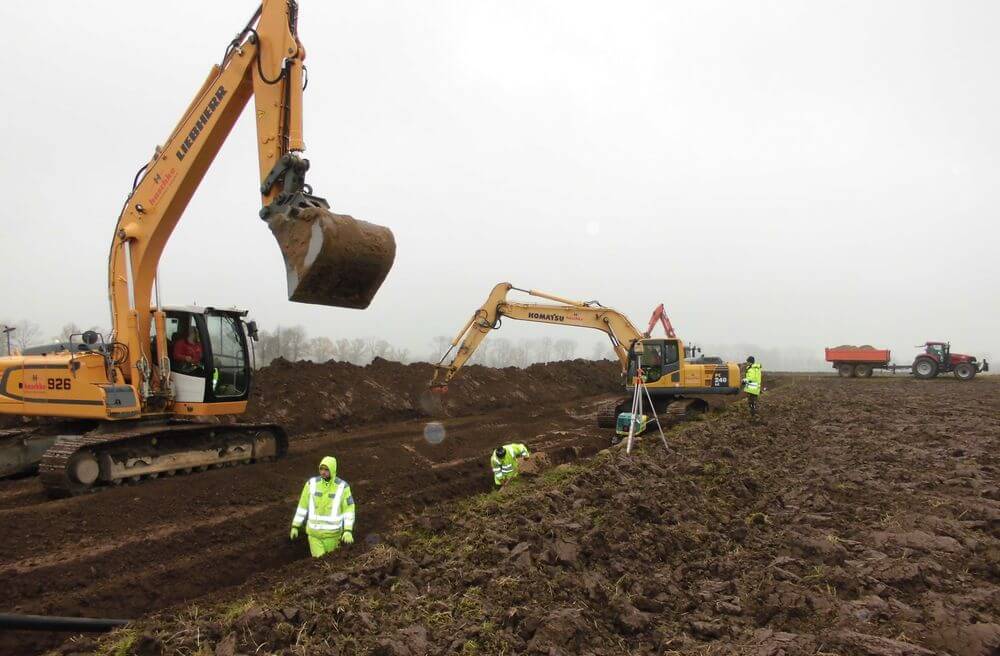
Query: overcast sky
[[787, 173]]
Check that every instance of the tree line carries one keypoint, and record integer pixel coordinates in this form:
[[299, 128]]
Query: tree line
[[293, 343]]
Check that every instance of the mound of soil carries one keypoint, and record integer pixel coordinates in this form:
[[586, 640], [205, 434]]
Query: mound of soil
[[306, 397], [856, 520]]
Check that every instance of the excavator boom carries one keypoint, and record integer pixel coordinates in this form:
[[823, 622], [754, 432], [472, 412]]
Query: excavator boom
[[566, 312]]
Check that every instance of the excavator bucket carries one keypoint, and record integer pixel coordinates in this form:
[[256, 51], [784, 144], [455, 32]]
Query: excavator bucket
[[333, 259]]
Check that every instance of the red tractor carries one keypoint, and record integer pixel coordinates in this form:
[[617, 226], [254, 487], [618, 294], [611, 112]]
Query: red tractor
[[937, 358]]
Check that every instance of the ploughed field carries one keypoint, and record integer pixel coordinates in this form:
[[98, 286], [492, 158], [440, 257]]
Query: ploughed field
[[131, 550], [861, 517]]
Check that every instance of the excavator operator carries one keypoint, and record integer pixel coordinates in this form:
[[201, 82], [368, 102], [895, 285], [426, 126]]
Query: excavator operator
[[186, 351]]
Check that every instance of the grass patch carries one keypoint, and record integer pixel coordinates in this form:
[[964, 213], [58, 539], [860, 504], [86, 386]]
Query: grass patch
[[232, 611], [121, 643], [564, 473]]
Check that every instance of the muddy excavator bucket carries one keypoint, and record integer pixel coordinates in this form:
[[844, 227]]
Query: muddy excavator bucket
[[333, 259]]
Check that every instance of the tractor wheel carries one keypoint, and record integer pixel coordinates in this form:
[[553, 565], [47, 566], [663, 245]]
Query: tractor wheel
[[965, 371], [863, 371], [925, 368], [845, 370]]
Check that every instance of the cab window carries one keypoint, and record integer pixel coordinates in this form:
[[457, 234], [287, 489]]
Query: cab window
[[229, 363]]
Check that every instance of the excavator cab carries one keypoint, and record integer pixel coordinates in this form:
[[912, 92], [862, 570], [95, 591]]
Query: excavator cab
[[208, 353], [656, 357]]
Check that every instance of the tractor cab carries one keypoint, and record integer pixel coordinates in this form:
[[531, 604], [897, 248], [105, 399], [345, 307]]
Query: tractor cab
[[208, 352], [940, 351]]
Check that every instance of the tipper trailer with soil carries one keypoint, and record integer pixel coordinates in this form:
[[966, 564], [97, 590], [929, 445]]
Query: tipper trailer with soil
[[937, 358], [143, 393]]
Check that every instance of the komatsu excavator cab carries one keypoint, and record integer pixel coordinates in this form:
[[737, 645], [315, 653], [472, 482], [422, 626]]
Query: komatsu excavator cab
[[667, 373], [208, 352], [656, 357]]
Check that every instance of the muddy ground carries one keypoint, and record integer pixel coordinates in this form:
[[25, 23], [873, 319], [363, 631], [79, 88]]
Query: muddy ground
[[860, 517], [129, 551], [309, 397]]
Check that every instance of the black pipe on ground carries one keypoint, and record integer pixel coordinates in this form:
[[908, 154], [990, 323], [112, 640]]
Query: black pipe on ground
[[15, 621]]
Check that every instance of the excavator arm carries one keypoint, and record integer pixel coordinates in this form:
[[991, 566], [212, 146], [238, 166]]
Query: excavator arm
[[565, 312], [660, 316], [330, 259]]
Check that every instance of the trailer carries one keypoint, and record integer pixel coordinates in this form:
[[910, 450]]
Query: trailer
[[937, 358], [859, 361]]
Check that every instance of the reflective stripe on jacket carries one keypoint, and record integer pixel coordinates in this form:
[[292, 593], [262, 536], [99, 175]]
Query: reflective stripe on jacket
[[507, 466], [751, 383]]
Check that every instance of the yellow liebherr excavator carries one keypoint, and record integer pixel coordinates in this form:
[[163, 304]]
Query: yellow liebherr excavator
[[677, 384], [134, 400]]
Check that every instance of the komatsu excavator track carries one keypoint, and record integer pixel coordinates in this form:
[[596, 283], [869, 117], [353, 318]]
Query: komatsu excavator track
[[81, 463]]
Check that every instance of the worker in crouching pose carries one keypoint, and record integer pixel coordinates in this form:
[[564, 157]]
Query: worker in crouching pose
[[326, 507], [504, 462], [752, 385]]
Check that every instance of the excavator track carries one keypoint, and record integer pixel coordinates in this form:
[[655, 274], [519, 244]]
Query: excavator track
[[607, 414], [82, 463], [21, 449], [667, 408]]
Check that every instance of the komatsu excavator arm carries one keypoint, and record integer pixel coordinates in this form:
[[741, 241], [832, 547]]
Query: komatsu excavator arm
[[330, 259], [581, 314]]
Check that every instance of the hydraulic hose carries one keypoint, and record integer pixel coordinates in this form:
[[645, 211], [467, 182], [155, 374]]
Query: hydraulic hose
[[15, 621]]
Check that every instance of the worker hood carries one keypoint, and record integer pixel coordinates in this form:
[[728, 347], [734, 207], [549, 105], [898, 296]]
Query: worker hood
[[331, 463]]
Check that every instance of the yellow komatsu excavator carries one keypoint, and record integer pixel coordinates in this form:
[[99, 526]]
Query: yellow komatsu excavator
[[677, 384], [136, 405]]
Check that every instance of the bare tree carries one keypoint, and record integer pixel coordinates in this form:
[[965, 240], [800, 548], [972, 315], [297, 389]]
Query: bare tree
[[401, 355], [543, 348], [376, 348], [351, 350], [500, 353], [270, 346], [564, 349], [321, 348], [519, 355], [294, 340], [439, 346], [25, 334], [67, 331], [600, 351]]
